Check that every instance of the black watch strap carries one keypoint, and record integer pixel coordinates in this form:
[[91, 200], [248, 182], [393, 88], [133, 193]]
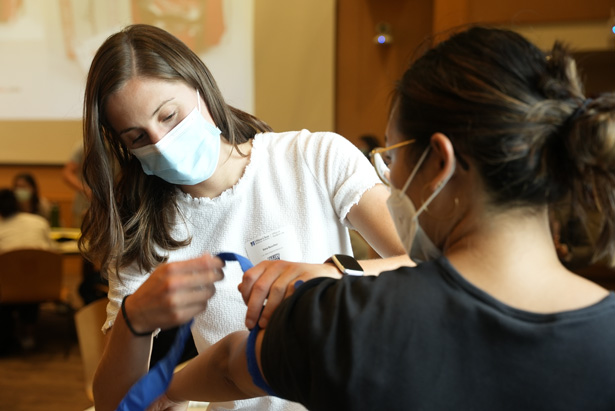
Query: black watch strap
[[347, 264]]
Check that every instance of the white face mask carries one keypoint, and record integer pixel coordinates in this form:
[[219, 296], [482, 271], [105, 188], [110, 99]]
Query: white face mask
[[423, 249], [405, 216], [22, 194], [186, 155]]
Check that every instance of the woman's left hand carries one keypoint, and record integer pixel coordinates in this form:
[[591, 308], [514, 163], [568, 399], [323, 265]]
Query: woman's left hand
[[273, 281], [163, 403]]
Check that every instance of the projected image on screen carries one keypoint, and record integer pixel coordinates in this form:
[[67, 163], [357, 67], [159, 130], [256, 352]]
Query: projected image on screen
[[47, 46]]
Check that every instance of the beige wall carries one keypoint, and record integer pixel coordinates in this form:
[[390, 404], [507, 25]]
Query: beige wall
[[294, 69], [38, 142]]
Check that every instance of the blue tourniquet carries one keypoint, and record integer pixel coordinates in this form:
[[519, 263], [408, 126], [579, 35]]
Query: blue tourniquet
[[155, 383]]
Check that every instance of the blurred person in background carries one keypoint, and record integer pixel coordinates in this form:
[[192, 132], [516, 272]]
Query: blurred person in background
[[19, 230], [28, 197]]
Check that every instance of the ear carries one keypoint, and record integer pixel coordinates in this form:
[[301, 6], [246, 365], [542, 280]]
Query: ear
[[442, 150]]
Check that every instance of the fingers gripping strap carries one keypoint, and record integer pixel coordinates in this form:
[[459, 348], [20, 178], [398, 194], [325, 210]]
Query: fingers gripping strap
[[155, 383]]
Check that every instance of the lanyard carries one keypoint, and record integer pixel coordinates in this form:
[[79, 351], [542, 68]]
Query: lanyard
[[155, 383]]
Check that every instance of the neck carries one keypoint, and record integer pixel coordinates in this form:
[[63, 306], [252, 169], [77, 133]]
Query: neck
[[514, 241], [231, 166], [512, 257]]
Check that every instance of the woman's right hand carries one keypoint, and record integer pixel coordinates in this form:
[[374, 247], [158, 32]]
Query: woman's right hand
[[174, 293], [273, 281]]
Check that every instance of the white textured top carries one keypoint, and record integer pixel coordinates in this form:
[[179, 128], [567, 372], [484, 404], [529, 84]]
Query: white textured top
[[24, 230], [300, 183]]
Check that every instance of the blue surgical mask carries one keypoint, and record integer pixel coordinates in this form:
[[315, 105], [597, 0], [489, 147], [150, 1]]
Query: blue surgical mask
[[186, 155], [405, 217]]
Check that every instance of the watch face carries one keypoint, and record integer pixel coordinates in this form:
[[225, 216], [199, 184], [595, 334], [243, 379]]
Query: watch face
[[347, 264]]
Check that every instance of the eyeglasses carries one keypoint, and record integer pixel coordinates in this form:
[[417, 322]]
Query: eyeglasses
[[381, 163]]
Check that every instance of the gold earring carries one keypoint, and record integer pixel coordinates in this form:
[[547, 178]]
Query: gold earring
[[450, 214]]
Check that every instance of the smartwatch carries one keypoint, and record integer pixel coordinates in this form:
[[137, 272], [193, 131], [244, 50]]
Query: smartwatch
[[346, 264]]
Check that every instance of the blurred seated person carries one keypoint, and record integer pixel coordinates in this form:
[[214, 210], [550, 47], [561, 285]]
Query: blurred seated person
[[93, 286], [29, 200], [18, 230], [71, 173]]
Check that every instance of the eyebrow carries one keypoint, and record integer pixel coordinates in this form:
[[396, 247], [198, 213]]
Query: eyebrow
[[153, 114]]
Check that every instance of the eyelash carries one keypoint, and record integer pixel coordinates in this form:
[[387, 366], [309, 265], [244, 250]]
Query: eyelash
[[164, 120], [139, 137]]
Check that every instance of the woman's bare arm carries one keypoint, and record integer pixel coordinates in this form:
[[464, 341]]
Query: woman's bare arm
[[218, 374]]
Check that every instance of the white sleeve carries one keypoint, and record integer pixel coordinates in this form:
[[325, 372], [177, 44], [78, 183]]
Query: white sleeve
[[340, 168], [131, 280]]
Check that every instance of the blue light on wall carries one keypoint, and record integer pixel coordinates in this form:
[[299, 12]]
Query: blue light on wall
[[384, 33]]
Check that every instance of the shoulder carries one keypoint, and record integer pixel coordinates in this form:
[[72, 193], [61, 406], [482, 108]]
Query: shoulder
[[32, 222], [341, 317], [363, 290], [301, 139], [320, 299], [33, 218], [323, 139]]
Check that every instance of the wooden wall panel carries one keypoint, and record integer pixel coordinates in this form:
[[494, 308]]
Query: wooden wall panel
[[541, 11], [450, 13], [366, 72], [454, 13], [596, 69]]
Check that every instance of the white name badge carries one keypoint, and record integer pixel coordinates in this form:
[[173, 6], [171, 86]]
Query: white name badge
[[280, 244]]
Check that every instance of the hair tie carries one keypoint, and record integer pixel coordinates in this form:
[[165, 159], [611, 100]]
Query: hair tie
[[579, 111]]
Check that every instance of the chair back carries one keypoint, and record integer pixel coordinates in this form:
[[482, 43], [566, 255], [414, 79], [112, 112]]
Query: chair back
[[89, 321], [30, 276]]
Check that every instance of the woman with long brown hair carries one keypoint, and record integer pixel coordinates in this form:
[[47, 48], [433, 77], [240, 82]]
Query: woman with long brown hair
[[198, 177]]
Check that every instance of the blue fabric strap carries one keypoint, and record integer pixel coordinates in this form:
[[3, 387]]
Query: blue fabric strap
[[155, 383], [243, 261], [255, 372]]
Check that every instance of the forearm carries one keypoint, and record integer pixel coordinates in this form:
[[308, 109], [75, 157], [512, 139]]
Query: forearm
[[218, 374], [375, 267], [124, 361], [172, 295]]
